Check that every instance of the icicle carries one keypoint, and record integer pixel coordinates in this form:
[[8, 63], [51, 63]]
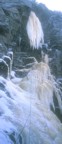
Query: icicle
[[46, 59], [10, 54], [7, 59], [34, 31]]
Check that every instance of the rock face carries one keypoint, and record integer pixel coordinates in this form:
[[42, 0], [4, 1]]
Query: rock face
[[13, 20]]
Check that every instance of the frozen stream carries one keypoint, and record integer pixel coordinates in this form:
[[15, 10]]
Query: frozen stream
[[25, 113]]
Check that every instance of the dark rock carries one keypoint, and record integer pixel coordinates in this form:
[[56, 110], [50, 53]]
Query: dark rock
[[57, 109], [55, 30], [3, 68], [3, 49], [56, 62], [11, 137], [2, 86], [3, 29]]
